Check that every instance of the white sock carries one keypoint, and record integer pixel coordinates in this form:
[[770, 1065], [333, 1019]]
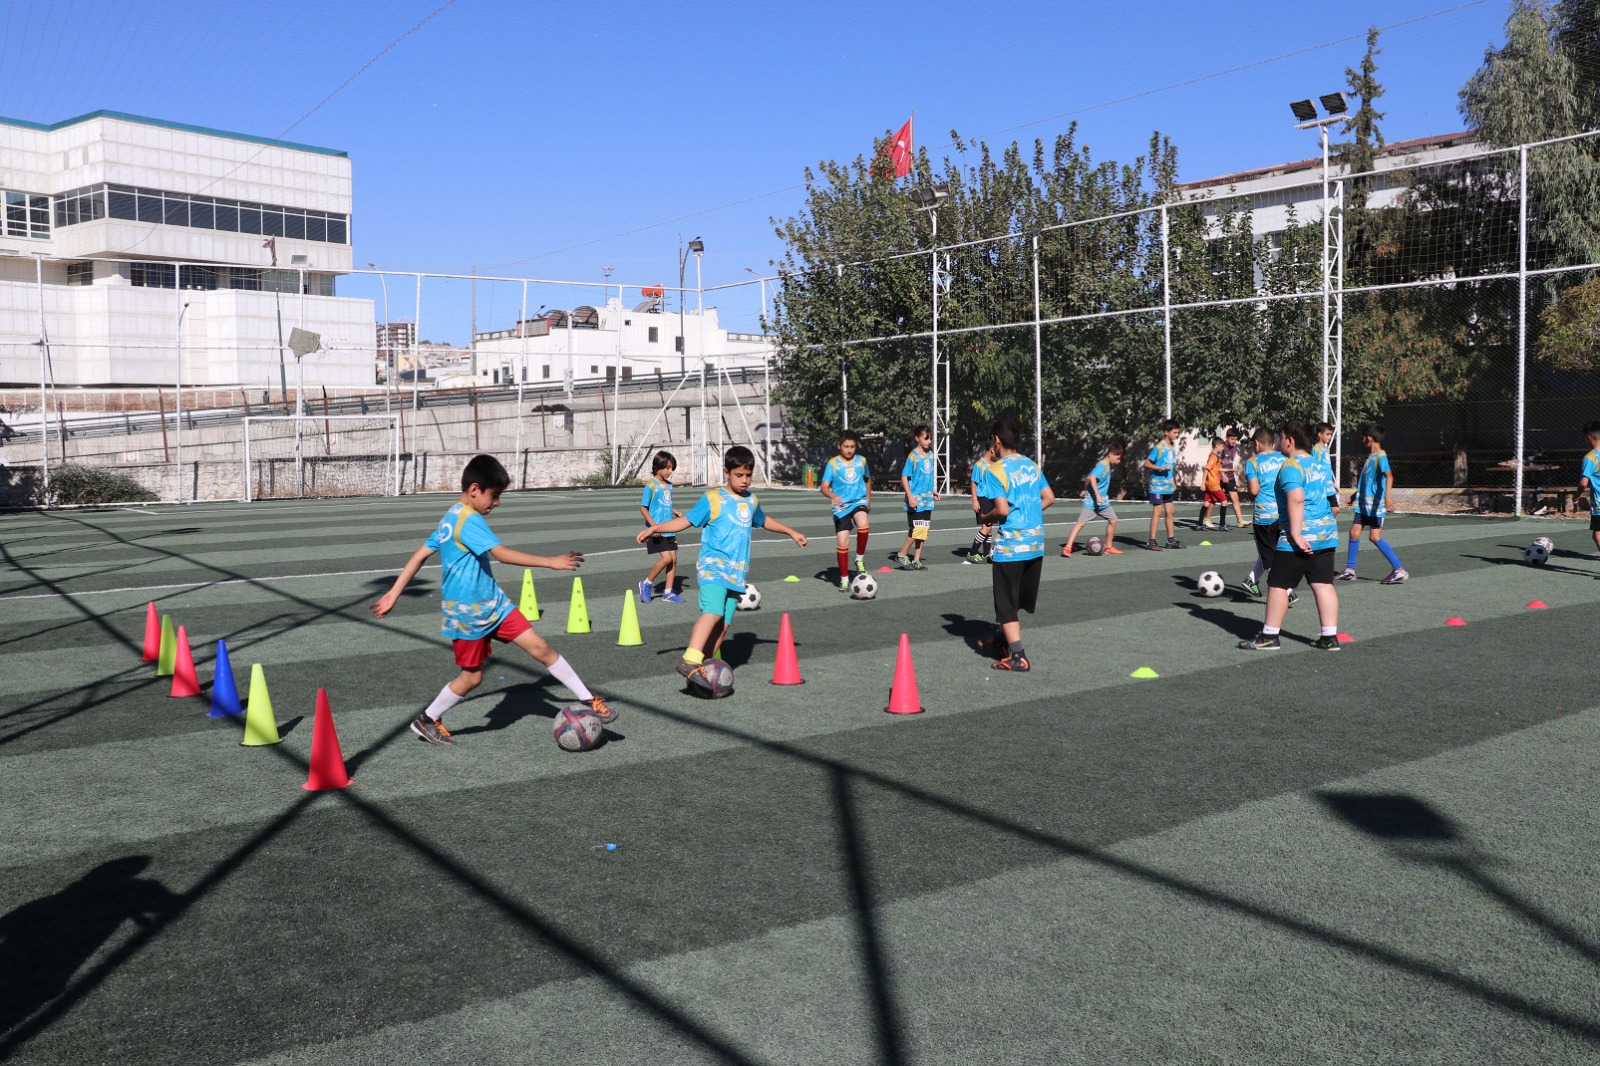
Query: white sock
[[1257, 569], [1330, 631], [445, 700], [1269, 631], [563, 672]]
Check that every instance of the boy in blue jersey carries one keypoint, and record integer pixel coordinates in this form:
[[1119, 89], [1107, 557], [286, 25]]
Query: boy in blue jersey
[[979, 552], [1370, 502], [847, 486], [1261, 475], [475, 610], [1590, 481], [916, 480], [1097, 501], [656, 506], [1021, 495], [1322, 453], [1308, 537], [727, 514], [1161, 466]]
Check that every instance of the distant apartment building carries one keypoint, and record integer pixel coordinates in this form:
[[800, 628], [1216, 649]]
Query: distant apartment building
[[117, 228], [396, 344]]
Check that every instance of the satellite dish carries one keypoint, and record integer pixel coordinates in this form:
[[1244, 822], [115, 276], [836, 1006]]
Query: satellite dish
[[303, 342]]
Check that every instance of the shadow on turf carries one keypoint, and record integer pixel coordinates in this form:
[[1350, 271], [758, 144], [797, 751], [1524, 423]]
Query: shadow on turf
[[1549, 568], [970, 631]]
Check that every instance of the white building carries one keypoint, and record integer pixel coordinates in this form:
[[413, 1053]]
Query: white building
[[598, 343], [113, 223]]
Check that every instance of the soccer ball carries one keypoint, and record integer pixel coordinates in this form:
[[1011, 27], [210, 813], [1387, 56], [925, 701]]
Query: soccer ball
[[1536, 554], [1211, 584], [713, 679], [1096, 546], [863, 587], [576, 729], [750, 599], [1549, 545]]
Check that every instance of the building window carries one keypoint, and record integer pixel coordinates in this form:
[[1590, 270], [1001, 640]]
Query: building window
[[80, 272], [627, 373], [594, 370], [655, 334], [546, 374], [197, 276], [611, 373], [497, 377], [153, 275], [196, 212], [678, 343], [27, 215]]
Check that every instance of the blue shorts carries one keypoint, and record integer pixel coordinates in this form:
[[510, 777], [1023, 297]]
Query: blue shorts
[[1368, 521], [714, 599], [1159, 498]]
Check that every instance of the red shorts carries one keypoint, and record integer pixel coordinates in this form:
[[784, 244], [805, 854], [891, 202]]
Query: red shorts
[[1216, 497], [472, 654]]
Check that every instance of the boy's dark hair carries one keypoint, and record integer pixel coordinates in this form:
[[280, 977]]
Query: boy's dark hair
[[917, 431], [1299, 431], [1591, 429], [1009, 432], [738, 456], [1115, 447], [1266, 437], [1170, 423], [1324, 427], [485, 472], [1373, 430], [1218, 440], [1233, 431], [663, 458], [849, 434]]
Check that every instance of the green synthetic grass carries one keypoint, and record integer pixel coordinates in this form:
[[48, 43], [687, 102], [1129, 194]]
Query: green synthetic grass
[[1069, 865]]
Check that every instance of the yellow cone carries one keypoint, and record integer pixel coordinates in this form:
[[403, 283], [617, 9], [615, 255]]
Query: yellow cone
[[260, 727], [629, 636], [167, 657], [578, 613], [530, 600], [718, 653]]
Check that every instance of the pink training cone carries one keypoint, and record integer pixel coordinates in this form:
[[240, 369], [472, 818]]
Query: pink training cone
[[786, 671], [903, 698], [152, 634], [184, 681], [884, 570], [327, 761], [1455, 621], [1344, 638], [1538, 605]]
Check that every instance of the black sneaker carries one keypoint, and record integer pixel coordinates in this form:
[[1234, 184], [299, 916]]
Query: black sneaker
[[1151, 546], [685, 668], [432, 730], [897, 558], [1326, 644], [1017, 664], [1294, 597], [1261, 642], [1174, 543], [1251, 588], [600, 709]]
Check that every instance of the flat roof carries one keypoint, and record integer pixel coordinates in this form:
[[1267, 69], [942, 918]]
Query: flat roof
[[1394, 148], [164, 124]]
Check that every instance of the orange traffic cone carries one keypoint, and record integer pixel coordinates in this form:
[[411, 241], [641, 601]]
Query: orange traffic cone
[[152, 634], [903, 697], [184, 681], [327, 761], [786, 671]]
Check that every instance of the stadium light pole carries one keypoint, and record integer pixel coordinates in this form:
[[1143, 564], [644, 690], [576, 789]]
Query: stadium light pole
[[177, 409], [1337, 108], [766, 369], [928, 199]]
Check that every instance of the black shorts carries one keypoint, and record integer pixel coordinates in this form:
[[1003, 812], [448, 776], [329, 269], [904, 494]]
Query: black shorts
[[1016, 588], [1368, 521], [1290, 567], [985, 505], [846, 522], [658, 544], [1267, 541], [913, 517], [1229, 485], [1594, 523]]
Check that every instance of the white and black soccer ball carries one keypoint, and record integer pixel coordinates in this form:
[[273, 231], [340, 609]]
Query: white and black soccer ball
[[1096, 546], [1549, 545], [1211, 584], [750, 599], [863, 587], [1536, 554]]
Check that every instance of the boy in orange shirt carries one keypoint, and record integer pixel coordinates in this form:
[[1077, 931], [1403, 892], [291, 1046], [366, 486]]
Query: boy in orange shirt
[[1213, 487]]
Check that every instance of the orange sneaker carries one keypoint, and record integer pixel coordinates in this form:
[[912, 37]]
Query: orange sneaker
[[1113, 551], [1066, 551]]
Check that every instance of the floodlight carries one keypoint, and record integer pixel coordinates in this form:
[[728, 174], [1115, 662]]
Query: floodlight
[[1304, 110], [1334, 103], [930, 196], [697, 245]]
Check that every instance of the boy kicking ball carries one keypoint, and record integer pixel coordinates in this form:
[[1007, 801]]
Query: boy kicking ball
[[727, 514], [475, 610], [1097, 502]]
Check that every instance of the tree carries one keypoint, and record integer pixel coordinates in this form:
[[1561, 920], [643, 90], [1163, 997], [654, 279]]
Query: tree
[[1359, 156]]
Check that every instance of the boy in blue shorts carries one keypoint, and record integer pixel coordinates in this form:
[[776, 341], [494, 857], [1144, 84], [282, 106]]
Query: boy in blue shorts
[[979, 552], [916, 480], [1590, 481], [1370, 502], [656, 506], [1160, 466], [727, 514], [475, 610], [1308, 537], [1097, 501], [847, 486], [1021, 495]]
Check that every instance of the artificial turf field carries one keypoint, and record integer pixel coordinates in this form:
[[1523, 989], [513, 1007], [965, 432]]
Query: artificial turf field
[[1385, 855]]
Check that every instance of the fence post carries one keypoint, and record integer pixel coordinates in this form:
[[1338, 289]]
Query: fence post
[[1166, 303], [522, 373], [44, 354], [1038, 363], [1522, 323]]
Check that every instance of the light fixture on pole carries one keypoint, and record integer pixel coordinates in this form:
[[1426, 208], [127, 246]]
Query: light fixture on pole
[[1336, 107], [928, 198]]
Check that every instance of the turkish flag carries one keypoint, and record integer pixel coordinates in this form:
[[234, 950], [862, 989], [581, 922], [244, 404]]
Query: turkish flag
[[900, 151]]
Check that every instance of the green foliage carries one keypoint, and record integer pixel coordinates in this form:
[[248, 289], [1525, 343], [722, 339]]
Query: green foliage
[[1569, 335], [73, 484]]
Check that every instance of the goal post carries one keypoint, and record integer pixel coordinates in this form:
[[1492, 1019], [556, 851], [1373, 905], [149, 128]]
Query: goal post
[[305, 456]]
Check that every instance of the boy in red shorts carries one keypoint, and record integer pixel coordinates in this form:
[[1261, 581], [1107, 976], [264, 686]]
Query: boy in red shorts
[[475, 610]]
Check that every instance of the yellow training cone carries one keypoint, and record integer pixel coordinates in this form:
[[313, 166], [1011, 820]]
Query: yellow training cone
[[167, 656], [530, 601], [578, 613], [260, 727], [629, 636]]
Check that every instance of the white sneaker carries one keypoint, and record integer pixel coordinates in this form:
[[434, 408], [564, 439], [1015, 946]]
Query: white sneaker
[[1347, 575]]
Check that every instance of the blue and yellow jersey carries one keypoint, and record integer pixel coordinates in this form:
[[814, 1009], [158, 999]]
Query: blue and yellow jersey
[[918, 472], [1021, 535], [1102, 483], [472, 604], [1162, 454], [1372, 487], [1317, 524], [657, 499], [727, 519], [1264, 469], [1591, 470], [980, 468], [849, 480], [1320, 453]]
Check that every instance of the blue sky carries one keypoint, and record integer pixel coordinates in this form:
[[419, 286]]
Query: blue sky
[[554, 139]]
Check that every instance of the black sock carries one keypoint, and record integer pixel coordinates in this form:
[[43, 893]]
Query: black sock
[[1014, 647]]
